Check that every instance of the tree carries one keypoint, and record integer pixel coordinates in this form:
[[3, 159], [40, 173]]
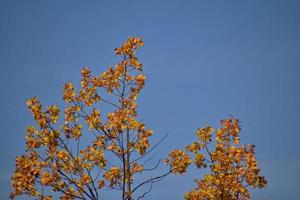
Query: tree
[[232, 167], [119, 146], [104, 112]]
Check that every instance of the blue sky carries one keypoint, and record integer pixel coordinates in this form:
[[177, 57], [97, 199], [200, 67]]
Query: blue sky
[[204, 61]]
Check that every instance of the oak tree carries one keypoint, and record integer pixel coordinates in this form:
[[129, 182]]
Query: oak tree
[[232, 168], [117, 152]]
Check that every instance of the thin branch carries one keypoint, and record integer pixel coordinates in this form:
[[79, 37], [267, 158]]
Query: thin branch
[[110, 103], [145, 162], [150, 169], [145, 193], [74, 183], [151, 149], [152, 179], [66, 193], [93, 183]]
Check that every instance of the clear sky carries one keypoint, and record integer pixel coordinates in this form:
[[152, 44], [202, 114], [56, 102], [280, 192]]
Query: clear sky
[[204, 61]]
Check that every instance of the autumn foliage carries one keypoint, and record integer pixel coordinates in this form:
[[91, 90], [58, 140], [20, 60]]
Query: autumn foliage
[[55, 161], [232, 167]]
